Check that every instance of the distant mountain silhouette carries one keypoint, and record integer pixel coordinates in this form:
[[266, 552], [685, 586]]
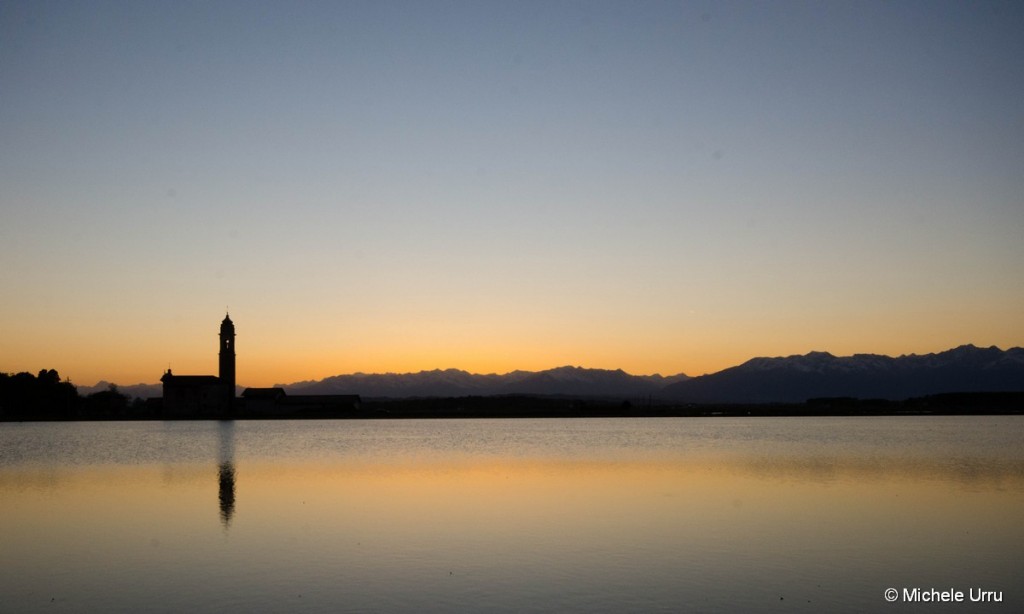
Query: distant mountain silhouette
[[135, 391], [866, 376], [791, 379], [574, 381]]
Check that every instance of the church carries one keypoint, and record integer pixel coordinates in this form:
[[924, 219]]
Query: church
[[215, 396], [204, 396]]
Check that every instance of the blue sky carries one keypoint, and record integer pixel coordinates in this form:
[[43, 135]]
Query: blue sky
[[381, 186]]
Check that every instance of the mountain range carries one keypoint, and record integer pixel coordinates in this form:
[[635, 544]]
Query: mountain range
[[561, 381], [790, 379], [795, 379]]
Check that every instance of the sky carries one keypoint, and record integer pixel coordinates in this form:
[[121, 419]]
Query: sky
[[660, 187]]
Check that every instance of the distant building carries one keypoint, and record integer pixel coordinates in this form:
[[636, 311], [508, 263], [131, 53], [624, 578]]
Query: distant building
[[265, 402], [209, 396], [262, 401]]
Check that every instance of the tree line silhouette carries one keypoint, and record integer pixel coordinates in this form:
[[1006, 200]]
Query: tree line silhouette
[[24, 396]]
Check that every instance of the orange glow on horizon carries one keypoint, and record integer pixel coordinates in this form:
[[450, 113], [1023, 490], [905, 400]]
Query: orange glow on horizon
[[286, 368], [269, 353]]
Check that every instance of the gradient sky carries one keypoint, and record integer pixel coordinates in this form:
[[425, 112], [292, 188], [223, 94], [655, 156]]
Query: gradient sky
[[375, 186]]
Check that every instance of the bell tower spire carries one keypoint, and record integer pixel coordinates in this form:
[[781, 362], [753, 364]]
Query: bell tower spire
[[227, 359]]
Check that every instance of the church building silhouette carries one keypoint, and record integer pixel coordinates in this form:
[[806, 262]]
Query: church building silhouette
[[215, 396], [204, 396]]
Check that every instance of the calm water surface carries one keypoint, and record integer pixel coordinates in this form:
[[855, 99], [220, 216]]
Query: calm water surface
[[602, 515]]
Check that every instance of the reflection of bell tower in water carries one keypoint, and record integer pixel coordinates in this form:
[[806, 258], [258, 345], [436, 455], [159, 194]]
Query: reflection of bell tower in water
[[227, 362], [226, 472]]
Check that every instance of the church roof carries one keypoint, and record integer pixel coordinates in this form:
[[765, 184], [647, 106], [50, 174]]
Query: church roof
[[191, 380], [263, 393]]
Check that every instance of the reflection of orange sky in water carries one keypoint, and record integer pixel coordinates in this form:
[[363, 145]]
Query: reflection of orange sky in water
[[480, 508], [510, 480], [671, 472], [93, 513], [516, 486], [592, 507]]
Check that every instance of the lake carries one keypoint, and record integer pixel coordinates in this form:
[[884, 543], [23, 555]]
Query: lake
[[582, 515]]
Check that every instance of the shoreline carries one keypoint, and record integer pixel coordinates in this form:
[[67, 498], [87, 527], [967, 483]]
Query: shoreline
[[527, 406]]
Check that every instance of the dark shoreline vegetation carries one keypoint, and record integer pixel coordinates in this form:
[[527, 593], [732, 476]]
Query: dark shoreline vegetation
[[25, 397]]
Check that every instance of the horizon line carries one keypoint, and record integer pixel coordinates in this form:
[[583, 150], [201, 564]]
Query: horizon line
[[579, 367]]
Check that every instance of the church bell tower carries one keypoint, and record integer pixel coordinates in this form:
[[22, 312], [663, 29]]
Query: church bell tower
[[227, 359]]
